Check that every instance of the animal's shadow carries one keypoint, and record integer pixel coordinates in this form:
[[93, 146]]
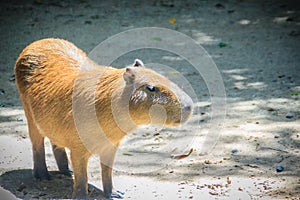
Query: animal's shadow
[[22, 184]]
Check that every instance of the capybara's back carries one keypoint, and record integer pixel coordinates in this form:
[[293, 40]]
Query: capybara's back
[[45, 73], [51, 72]]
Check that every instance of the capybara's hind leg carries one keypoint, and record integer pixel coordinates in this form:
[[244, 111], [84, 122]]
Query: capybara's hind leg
[[40, 170], [61, 160]]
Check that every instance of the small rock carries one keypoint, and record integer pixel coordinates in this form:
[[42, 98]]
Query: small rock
[[234, 151], [19, 119], [279, 168], [2, 91], [22, 186], [207, 162], [289, 116], [12, 78], [219, 5]]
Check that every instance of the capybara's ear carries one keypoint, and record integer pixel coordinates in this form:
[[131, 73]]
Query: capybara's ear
[[138, 63], [129, 76]]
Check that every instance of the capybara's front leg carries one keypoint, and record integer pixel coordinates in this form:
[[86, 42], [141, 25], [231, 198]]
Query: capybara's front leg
[[107, 160], [106, 180], [40, 170], [61, 160], [80, 161]]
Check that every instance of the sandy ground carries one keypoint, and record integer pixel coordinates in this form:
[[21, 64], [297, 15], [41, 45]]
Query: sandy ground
[[260, 69]]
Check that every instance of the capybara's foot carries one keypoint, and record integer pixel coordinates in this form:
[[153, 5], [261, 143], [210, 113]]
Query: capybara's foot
[[66, 172], [79, 194], [61, 160], [41, 174]]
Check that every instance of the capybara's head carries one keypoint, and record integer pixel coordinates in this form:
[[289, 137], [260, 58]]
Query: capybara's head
[[154, 98]]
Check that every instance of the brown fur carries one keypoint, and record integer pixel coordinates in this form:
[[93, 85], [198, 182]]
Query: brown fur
[[47, 72]]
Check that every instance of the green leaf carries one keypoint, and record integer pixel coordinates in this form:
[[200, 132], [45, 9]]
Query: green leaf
[[127, 154], [157, 39], [222, 44]]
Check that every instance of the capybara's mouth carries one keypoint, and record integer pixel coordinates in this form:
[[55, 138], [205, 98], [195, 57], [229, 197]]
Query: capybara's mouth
[[182, 119], [185, 114]]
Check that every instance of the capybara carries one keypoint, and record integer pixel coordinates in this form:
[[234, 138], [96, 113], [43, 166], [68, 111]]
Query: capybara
[[47, 74]]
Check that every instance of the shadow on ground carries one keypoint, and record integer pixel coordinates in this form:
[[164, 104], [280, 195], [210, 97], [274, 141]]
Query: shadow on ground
[[22, 184]]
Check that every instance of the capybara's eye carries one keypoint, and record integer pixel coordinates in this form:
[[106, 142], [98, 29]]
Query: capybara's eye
[[152, 88]]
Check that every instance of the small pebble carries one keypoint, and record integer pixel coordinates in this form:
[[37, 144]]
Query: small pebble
[[289, 116], [19, 119], [22, 186], [207, 162], [12, 78], [234, 151], [279, 168], [219, 5], [2, 91]]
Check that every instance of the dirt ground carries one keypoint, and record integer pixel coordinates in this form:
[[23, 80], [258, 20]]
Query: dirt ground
[[255, 45]]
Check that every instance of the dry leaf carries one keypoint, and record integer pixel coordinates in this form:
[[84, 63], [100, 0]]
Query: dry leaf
[[173, 72], [180, 156], [228, 181], [172, 21]]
